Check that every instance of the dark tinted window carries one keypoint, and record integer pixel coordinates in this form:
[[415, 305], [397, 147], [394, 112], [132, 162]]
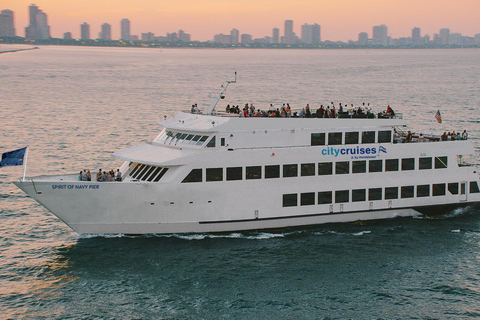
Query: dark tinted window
[[222, 142], [214, 174], [194, 176], [368, 137], [441, 162], [341, 196], [307, 169], [154, 174], [423, 190], [235, 173], [425, 163], [290, 200], [307, 199], [211, 143], [202, 140], [438, 189], [162, 173], [318, 139], [290, 170], [334, 138], [272, 172], [325, 197], [342, 167], [358, 195], [375, 166], [407, 192], [384, 136], [391, 193], [325, 168], [391, 165], [359, 166], [375, 194], [453, 188], [351, 137], [474, 187], [408, 164], [254, 172]]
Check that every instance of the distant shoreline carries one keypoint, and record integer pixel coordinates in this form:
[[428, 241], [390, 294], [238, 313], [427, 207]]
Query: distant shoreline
[[18, 50]]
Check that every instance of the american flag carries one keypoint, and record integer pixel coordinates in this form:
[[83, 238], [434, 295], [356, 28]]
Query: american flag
[[438, 116]]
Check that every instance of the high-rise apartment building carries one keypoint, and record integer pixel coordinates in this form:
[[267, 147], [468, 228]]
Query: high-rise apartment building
[[416, 34], [289, 36], [7, 28], [106, 33], [67, 36], [38, 28], [275, 35], [148, 36], [363, 38], [311, 33], [85, 31], [246, 38], [182, 36], [234, 34], [125, 29], [380, 35], [444, 35]]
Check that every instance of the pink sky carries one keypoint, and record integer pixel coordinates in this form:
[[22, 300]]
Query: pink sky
[[340, 19]]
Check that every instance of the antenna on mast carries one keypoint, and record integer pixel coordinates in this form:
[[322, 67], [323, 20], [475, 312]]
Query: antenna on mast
[[220, 95]]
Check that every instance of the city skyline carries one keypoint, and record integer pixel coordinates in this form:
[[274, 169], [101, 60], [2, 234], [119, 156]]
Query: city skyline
[[339, 21]]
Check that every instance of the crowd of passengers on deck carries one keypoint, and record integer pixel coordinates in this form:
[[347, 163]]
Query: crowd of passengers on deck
[[419, 137], [285, 111], [102, 176]]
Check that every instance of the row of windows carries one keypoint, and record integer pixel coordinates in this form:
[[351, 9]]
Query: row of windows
[[336, 138], [308, 169], [374, 194], [145, 172], [190, 139]]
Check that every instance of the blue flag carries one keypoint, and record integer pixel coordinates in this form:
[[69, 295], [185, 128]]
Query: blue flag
[[13, 158]]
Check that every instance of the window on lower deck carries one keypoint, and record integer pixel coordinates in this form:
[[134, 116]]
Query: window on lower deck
[[325, 197], [359, 166], [194, 176], [358, 195], [408, 164], [391, 165], [307, 199], [391, 193], [425, 163], [453, 188], [342, 196], [290, 200], [438, 189], [474, 187], [374, 194], [325, 168], [375, 166], [423, 190], [342, 167], [407, 192]]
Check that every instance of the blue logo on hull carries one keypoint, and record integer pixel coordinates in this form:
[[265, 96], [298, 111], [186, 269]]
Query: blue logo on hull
[[353, 151]]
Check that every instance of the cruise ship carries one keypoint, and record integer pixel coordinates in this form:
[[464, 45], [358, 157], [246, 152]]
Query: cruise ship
[[212, 171]]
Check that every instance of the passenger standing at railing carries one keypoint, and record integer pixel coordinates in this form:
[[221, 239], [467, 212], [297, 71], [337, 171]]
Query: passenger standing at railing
[[464, 135], [99, 175], [89, 176], [80, 176], [409, 136]]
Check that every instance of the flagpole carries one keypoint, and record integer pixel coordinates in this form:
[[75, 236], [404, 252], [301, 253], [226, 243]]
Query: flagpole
[[25, 164]]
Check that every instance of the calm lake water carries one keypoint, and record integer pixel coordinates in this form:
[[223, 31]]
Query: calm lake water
[[75, 106]]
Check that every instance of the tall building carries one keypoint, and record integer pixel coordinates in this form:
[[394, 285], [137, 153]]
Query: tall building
[[275, 35], [222, 38], [416, 34], [38, 28], [125, 29], [148, 36], [444, 35], [85, 31], [311, 33], [182, 36], [289, 36], [106, 33], [363, 38], [246, 38], [67, 36], [7, 28], [380, 35], [234, 36]]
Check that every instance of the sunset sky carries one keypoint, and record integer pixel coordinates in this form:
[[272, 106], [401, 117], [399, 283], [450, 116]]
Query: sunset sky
[[339, 19]]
